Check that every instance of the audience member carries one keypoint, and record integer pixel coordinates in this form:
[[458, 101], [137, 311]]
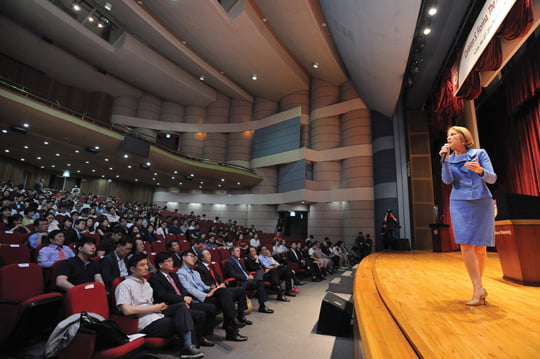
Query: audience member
[[191, 280], [41, 226], [168, 289], [134, 296], [235, 269], [114, 264], [55, 251], [79, 269]]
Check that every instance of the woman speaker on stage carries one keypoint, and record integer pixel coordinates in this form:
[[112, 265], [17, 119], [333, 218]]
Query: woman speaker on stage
[[471, 203]]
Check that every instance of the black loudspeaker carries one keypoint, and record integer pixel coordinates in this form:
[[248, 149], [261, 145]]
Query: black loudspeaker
[[335, 316]]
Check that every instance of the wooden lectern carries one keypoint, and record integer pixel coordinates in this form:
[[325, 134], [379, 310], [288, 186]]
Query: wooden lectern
[[518, 245]]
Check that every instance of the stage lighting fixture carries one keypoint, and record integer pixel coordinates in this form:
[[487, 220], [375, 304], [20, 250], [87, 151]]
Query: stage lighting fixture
[[19, 129], [93, 149]]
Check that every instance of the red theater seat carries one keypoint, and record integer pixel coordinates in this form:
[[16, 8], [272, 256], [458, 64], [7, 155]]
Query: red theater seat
[[24, 308]]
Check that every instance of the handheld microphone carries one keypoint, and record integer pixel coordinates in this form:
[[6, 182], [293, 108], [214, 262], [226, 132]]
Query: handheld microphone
[[443, 156]]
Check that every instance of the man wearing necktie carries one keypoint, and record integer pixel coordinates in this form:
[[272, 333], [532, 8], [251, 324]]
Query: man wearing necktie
[[210, 277], [191, 280], [55, 251], [234, 268], [168, 289]]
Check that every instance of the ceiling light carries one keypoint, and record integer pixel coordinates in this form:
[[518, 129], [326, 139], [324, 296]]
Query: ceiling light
[[90, 19], [78, 171], [25, 125], [76, 7], [136, 179], [219, 185], [57, 155], [129, 166], [167, 135], [153, 178], [69, 164], [315, 65], [22, 159], [180, 183], [106, 160], [93, 170], [87, 162], [19, 129], [126, 155], [254, 77], [45, 142], [108, 6], [427, 31], [110, 168], [100, 25], [41, 166], [155, 173], [109, 180], [117, 176], [4, 131], [223, 180], [52, 166], [432, 11], [38, 157], [172, 177], [6, 150], [93, 149], [26, 147], [238, 183], [201, 77], [144, 166], [175, 172], [102, 176], [76, 151], [148, 164]]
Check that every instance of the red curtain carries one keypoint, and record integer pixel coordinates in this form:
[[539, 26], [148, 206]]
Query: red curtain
[[525, 165], [518, 21]]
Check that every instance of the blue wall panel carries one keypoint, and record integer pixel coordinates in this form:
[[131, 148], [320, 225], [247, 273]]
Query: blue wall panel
[[292, 176], [281, 137]]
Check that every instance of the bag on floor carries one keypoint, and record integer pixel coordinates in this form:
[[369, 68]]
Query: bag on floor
[[108, 333]]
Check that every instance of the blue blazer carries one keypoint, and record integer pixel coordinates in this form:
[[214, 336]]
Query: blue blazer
[[467, 184]]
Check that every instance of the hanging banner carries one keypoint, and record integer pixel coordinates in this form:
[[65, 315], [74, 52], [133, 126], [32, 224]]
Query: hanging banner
[[486, 25]]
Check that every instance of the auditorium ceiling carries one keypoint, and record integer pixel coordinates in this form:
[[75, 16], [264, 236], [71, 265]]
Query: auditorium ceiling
[[187, 51]]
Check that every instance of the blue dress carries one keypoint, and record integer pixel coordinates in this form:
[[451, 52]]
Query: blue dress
[[471, 203]]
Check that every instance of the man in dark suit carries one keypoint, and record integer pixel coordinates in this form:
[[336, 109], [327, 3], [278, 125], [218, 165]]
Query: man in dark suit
[[174, 249], [168, 289], [191, 280], [235, 269], [295, 255], [210, 277], [114, 264]]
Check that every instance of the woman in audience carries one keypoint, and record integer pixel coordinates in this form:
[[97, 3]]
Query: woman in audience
[[163, 230], [138, 248], [90, 225], [103, 226], [149, 236], [15, 224], [255, 242]]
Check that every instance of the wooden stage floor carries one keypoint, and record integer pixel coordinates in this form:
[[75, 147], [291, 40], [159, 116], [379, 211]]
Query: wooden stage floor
[[425, 293]]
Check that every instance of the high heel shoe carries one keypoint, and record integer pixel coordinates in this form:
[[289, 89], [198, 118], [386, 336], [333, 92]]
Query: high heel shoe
[[479, 301]]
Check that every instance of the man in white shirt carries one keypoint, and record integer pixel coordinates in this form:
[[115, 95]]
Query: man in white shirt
[[134, 296]]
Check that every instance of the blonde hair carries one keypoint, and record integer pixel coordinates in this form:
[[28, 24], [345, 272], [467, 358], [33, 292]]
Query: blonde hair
[[466, 134]]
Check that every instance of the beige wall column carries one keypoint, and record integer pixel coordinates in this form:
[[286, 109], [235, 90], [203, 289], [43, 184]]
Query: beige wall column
[[215, 144], [325, 134], [192, 142], [148, 107], [239, 144], [263, 108]]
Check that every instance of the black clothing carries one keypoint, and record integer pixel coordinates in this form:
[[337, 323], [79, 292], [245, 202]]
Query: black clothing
[[77, 271]]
